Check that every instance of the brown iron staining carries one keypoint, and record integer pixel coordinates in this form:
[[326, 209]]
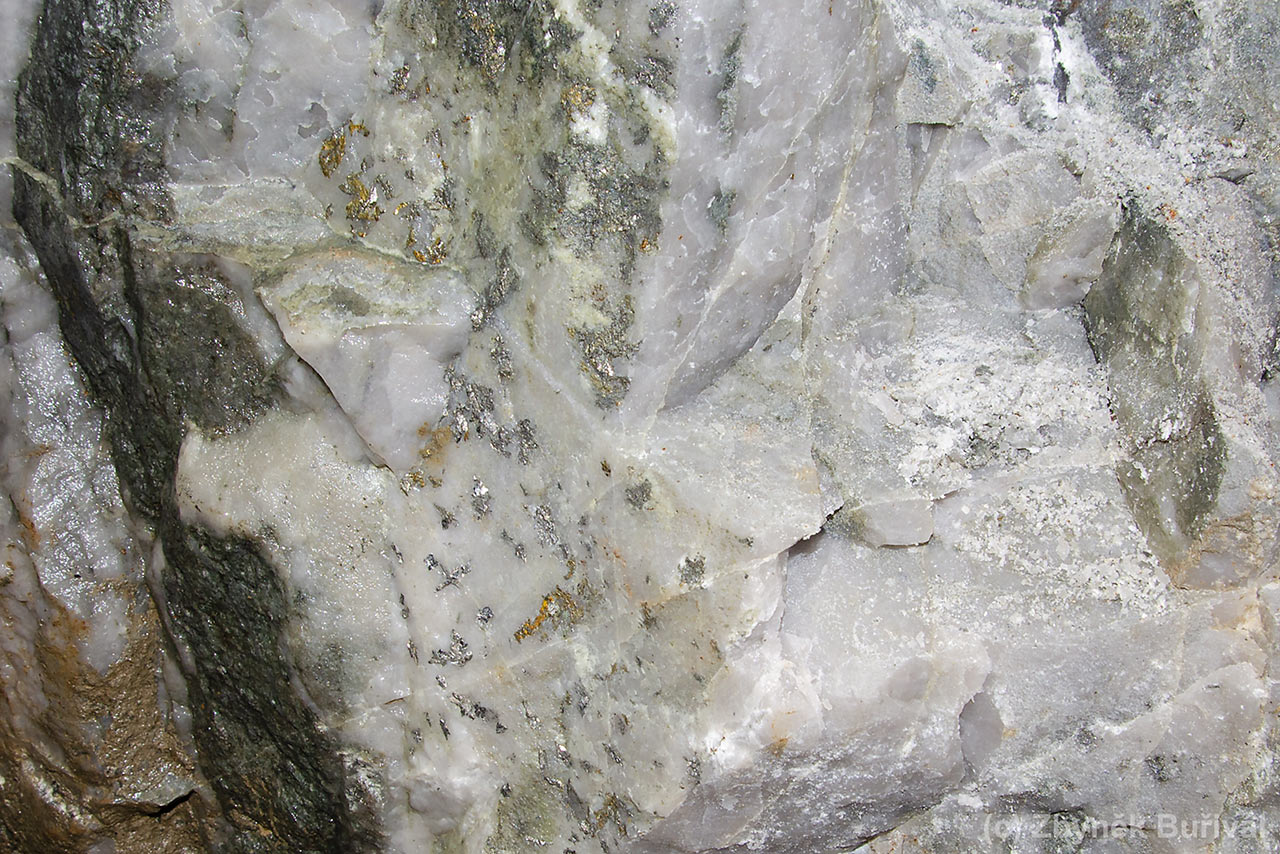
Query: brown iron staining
[[612, 811], [558, 607], [131, 781], [434, 440]]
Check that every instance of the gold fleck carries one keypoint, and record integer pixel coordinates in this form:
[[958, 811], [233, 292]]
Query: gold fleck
[[577, 99], [364, 206], [437, 252], [556, 606], [332, 150]]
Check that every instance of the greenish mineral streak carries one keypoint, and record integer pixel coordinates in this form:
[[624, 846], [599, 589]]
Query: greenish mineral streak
[[157, 339], [727, 96], [922, 67], [601, 348], [1134, 317], [720, 207], [530, 186], [526, 819], [1189, 469]]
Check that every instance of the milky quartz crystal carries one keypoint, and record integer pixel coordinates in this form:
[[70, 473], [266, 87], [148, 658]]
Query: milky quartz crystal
[[611, 426]]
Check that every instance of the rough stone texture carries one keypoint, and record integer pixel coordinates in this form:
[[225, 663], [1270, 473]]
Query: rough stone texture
[[155, 339], [496, 426]]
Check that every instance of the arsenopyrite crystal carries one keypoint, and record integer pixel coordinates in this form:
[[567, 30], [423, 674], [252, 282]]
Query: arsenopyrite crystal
[[516, 425]]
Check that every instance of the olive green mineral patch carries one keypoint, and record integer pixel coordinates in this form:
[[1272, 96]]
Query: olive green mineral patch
[[601, 346], [527, 818], [1137, 318], [548, 136]]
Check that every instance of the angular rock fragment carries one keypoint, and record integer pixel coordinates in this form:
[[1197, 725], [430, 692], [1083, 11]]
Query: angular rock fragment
[[1198, 477]]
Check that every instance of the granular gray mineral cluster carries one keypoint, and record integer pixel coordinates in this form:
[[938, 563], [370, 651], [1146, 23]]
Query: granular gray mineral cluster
[[640, 427]]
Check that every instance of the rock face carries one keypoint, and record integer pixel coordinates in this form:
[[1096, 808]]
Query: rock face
[[494, 426]]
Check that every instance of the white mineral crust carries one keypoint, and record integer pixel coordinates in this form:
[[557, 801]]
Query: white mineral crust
[[706, 449]]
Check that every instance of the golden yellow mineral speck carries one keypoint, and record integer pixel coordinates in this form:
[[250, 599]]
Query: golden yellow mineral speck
[[577, 99], [364, 206], [555, 605], [437, 251], [332, 150]]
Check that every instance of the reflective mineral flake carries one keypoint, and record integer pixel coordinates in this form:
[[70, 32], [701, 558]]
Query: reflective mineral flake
[[502, 426]]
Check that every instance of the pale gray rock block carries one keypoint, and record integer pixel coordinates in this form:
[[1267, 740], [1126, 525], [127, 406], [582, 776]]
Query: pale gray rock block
[[714, 427], [1068, 259], [78, 537], [907, 522], [929, 93], [1013, 199], [379, 335]]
